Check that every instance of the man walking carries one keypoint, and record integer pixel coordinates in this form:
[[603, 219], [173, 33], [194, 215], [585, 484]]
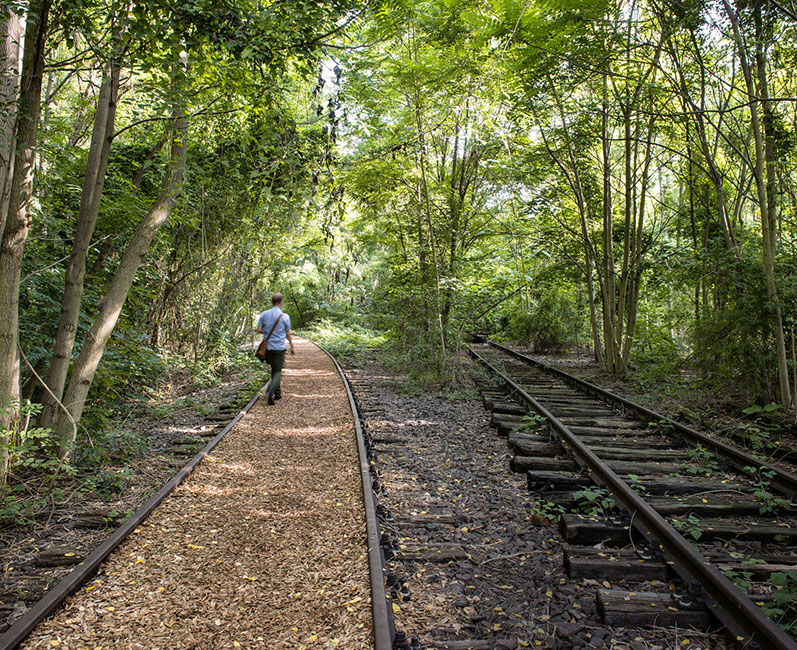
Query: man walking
[[275, 325]]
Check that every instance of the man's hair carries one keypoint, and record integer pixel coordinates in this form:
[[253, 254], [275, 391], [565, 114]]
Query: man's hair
[[276, 299]]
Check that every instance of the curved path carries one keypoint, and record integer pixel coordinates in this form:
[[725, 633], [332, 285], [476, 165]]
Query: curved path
[[263, 546]]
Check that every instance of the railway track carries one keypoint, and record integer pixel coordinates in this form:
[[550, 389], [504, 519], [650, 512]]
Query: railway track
[[56, 597], [459, 555], [681, 518]]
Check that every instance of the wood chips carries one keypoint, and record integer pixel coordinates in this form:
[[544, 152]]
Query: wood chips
[[263, 546]]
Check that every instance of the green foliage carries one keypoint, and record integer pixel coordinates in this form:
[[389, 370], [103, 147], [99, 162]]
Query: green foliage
[[658, 358], [20, 506], [128, 364], [547, 509], [740, 578], [636, 484], [105, 484], [783, 607], [550, 324], [252, 386], [759, 434], [770, 502], [33, 465], [767, 408], [703, 462], [108, 445], [32, 451], [344, 339], [690, 526], [594, 500], [532, 423]]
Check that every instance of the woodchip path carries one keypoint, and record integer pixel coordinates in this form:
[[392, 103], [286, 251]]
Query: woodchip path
[[263, 545]]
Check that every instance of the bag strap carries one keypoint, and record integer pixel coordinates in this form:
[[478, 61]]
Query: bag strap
[[273, 327]]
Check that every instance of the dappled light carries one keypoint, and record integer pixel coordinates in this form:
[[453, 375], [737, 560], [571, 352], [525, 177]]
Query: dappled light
[[605, 187], [273, 518]]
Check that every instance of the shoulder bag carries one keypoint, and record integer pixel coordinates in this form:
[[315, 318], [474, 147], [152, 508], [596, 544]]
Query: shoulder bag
[[261, 349]]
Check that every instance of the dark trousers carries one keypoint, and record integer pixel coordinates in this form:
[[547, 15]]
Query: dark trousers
[[276, 361]]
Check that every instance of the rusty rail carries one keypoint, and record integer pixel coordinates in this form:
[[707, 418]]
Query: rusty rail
[[384, 631], [745, 620], [24, 625], [782, 480]]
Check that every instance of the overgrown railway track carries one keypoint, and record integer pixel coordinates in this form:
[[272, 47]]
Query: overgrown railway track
[[667, 502], [56, 597]]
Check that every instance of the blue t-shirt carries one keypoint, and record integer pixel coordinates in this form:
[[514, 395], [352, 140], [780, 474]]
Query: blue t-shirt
[[266, 322]]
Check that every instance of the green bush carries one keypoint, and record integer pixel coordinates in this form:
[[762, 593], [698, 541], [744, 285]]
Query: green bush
[[32, 451], [552, 323], [343, 339], [108, 445]]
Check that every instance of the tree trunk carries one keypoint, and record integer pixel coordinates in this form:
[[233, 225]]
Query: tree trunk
[[770, 233], [93, 180], [427, 210], [113, 301], [11, 35], [764, 176], [614, 361], [635, 272], [18, 220]]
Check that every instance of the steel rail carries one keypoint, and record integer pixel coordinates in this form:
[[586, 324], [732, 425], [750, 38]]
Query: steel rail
[[381, 611], [782, 480], [746, 621], [24, 625]]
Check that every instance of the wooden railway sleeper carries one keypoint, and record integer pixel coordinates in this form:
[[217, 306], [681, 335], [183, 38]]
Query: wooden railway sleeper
[[782, 480], [737, 612]]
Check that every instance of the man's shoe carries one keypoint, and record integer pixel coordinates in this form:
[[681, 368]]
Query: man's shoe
[[270, 399], [277, 395]]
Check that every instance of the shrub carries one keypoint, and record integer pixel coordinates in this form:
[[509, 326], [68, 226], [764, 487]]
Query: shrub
[[551, 325]]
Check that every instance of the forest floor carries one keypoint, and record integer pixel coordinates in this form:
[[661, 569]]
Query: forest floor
[[448, 486], [174, 424]]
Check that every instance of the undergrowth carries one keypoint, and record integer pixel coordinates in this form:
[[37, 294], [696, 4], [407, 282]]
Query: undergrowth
[[417, 358], [343, 339]]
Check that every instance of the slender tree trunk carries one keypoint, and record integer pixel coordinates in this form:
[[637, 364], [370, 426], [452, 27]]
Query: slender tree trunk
[[11, 36], [628, 209], [427, 209], [113, 301], [770, 234], [614, 360], [93, 180], [764, 175], [635, 271], [18, 218]]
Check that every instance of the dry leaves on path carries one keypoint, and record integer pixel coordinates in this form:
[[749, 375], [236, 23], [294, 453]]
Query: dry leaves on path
[[262, 547]]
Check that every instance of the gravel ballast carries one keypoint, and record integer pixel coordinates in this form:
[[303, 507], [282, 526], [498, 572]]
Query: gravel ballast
[[470, 568]]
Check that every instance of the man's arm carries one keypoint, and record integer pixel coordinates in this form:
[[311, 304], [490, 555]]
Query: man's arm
[[260, 324], [290, 339]]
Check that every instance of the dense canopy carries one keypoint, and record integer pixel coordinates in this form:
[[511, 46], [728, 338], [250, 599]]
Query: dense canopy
[[612, 177]]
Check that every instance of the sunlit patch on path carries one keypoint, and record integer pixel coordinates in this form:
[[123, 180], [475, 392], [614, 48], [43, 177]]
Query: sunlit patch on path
[[263, 546]]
